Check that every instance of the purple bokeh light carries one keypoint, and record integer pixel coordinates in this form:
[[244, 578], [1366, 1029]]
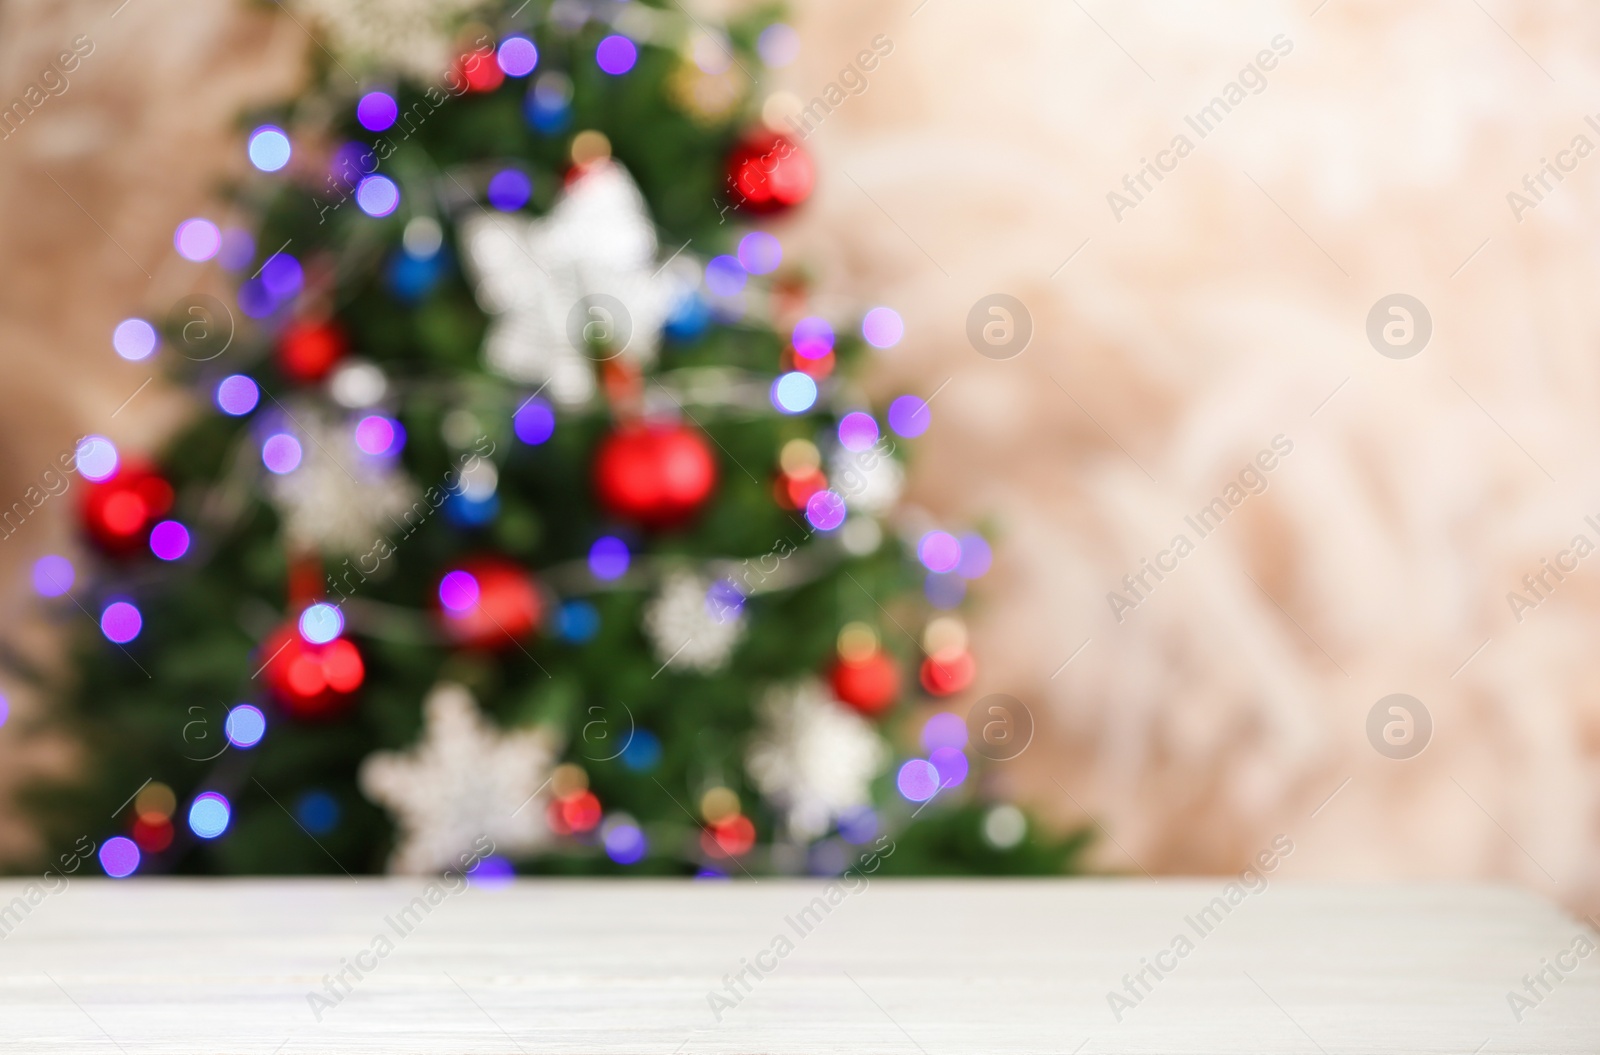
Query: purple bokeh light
[[281, 453], [858, 825], [945, 591], [975, 556], [625, 842], [254, 299], [825, 510], [53, 575], [760, 253], [534, 422], [778, 45], [282, 275], [724, 600], [377, 196], [812, 338], [237, 395], [951, 764], [237, 250], [883, 327], [97, 459], [349, 163], [492, 873], [944, 730], [377, 111], [616, 54], [517, 56], [169, 540], [909, 417], [458, 591], [245, 726], [858, 431], [197, 239], [725, 276], [939, 551], [609, 558], [918, 780], [510, 189], [121, 622], [119, 857], [375, 434], [134, 339]]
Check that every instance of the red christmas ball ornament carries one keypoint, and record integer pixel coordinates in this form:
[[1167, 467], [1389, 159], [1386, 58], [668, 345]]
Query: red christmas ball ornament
[[118, 513], [948, 673], [489, 603], [770, 173], [655, 475], [868, 683], [311, 681], [309, 350]]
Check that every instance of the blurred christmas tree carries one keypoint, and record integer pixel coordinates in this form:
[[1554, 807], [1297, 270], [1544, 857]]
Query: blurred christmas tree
[[536, 509]]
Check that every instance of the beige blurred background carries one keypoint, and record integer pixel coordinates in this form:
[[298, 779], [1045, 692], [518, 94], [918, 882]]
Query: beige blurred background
[[1170, 346], [91, 186]]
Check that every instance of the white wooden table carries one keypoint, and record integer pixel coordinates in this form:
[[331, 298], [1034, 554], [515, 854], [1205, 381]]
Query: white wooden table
[[902, 968]]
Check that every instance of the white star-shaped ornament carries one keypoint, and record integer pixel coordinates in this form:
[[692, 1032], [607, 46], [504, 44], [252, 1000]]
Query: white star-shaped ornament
[[688, 629], [338, 500], [464, 779], [813, 757], [412, 36], [585, 272]]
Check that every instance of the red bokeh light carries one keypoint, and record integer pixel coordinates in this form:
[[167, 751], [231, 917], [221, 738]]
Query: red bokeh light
[[731, 837], [152, 834], [949, 674]]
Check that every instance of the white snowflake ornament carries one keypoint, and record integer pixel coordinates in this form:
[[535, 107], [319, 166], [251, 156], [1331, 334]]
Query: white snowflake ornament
[[693, 625], [411, 36], [585, 271], [813, 757], [338, 500], [463, 780]]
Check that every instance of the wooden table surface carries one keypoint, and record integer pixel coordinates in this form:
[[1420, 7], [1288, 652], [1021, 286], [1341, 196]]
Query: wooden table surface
[[898, 967]]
